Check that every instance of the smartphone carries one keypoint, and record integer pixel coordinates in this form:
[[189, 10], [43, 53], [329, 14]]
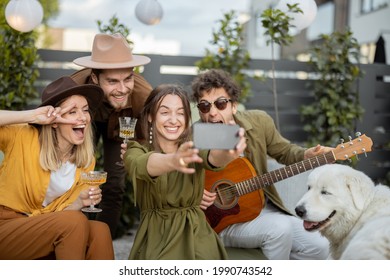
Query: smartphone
[[215, 136]]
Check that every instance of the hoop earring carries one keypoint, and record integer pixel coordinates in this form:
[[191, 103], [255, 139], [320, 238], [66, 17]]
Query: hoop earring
[[151, 135]]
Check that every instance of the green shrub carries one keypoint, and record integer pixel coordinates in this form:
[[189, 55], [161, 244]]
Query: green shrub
[[18, 68], [336, 108]]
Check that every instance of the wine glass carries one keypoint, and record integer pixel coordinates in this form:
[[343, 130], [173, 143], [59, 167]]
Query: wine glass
[[126, 130], [93, 178]]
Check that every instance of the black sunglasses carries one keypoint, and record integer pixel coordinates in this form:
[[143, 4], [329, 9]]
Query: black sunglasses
[[220, 104]]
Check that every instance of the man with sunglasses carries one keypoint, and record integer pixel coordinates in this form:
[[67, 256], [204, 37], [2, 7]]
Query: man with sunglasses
[[275, 230]]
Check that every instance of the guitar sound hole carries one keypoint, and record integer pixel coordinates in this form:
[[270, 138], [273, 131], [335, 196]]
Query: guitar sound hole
[[226, 196]]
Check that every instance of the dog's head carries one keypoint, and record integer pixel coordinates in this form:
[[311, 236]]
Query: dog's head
[[336, 196]]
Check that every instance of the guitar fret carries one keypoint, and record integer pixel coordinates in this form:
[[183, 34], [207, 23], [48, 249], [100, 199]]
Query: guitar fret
[[294, 169], [285, 173], [270, 179], [278, 175], [264, 181], [273, 177], [249, 185], [314, 162], [245, 187], [228, 194], [330, 158], [290, 172], [266, 176], [322, 159], [257, 182], [282, 173], [307, 164], [300, 167], [240, 188]]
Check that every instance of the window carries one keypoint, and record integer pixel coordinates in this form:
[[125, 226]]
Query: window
[[368, 6]]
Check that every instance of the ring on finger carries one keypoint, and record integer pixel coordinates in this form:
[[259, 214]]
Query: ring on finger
[[182, 162]]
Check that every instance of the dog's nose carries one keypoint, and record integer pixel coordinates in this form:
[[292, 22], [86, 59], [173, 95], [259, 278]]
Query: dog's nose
[[300, 210]]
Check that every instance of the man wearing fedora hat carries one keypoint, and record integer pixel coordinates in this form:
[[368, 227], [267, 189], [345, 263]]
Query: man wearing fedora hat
[[45, 151], [111, 66]]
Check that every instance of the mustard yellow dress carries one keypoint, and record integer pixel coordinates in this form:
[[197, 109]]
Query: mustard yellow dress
[[172, 225]]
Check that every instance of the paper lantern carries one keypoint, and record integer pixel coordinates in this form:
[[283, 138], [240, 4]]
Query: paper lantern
[[24, 15], [300, 21], [149, 12]]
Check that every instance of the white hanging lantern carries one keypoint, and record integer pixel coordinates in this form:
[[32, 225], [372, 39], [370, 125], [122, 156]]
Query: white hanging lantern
[[24, 15], [300, 21], [149, 12]]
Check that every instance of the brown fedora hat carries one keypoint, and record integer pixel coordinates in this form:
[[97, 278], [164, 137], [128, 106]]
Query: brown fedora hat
[[111, 52], [65, 87]]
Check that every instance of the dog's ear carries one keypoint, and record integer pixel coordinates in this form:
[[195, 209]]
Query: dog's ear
[[360, 186]]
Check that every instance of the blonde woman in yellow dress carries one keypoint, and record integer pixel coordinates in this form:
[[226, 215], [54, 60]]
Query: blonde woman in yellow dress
[[45, 150]]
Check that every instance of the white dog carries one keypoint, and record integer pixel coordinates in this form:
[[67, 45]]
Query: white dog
[[349, 210]]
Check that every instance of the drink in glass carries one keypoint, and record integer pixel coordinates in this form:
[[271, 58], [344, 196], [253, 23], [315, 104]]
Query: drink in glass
[[127, 128], [93, 178]]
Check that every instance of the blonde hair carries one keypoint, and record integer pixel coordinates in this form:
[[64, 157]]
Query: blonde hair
[[82, 155]]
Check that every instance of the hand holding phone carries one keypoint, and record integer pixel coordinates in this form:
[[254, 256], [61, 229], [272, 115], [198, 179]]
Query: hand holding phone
[[215, 136]]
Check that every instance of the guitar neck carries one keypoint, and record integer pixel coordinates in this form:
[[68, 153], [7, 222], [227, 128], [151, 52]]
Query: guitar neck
[[265, 180]]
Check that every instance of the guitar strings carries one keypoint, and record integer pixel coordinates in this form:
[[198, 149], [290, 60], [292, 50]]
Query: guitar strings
[[233, 190]]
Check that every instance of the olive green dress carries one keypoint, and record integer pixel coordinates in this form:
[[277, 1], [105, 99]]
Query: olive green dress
[[172, 224]]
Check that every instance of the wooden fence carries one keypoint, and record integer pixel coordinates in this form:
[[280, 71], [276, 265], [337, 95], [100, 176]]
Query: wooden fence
[[292, 80]]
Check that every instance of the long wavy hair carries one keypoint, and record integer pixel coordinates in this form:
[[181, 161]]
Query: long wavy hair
[[82, 155], [152, 104]]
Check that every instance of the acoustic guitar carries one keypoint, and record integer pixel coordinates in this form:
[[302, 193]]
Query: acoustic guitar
[[240, 197]]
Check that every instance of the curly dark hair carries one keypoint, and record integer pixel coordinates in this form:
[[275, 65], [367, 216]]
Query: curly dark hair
[[212, 79]]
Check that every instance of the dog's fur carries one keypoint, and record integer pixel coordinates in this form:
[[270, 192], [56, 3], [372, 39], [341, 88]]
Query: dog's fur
[[349, 210]]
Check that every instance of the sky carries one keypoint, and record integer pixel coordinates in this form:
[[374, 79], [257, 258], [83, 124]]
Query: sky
[[187, 23]]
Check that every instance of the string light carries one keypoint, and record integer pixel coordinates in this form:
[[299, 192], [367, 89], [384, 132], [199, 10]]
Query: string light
[[149, 12], [24, 15]]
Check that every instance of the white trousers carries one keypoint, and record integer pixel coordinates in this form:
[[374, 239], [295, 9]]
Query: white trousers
[[280, 236]]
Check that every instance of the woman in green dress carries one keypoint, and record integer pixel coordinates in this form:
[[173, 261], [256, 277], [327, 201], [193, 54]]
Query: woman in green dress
[[168, 178]]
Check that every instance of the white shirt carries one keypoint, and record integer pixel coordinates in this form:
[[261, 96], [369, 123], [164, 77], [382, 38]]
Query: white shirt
[[60, 182]]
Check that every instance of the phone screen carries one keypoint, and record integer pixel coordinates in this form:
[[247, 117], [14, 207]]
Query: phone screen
[[215, 136]]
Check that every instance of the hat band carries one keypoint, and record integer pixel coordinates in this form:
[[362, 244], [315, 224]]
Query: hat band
[[109, 57]]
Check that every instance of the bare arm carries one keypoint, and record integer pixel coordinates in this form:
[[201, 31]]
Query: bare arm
[[16, 117], [159, 163], [42, 115]]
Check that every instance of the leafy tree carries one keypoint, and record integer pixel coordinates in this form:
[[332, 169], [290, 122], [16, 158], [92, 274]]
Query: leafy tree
[[277, 26], [114, 26], [336, 107], [229, 53], [18, 69]]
